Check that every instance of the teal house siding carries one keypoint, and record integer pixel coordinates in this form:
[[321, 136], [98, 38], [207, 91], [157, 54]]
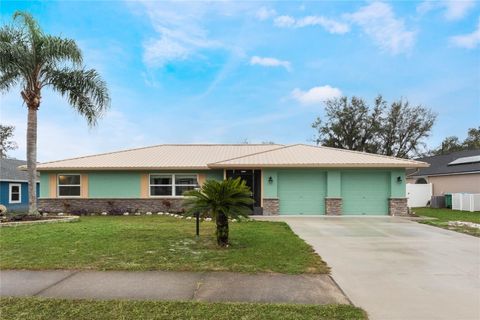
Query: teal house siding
[[334, 184], [397, 188], [44, 185], [270, 189], [114, 185]]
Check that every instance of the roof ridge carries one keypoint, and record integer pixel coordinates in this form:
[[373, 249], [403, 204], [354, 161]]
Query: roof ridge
[[362, 152], [161, 145], [255, 153]]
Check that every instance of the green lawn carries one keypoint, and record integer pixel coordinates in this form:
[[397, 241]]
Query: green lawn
[[156, 243], [36, 308], [444, 215]]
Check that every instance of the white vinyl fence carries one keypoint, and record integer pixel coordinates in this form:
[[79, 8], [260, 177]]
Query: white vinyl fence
[[418, 195], [466, 201]]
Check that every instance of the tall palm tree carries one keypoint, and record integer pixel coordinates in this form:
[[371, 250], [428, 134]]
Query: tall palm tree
[[34, 60], [221, 200]]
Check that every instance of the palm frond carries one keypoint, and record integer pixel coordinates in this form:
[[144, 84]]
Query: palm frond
[[15, 56], [84, 89], [29, 22], [230, 197], [55, 50]]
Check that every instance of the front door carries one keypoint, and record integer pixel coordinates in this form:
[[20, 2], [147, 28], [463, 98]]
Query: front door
[[253, 179]]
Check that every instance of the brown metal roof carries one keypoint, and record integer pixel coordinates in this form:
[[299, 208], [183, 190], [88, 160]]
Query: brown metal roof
[[206, 156], [304, 156], [167, 156]]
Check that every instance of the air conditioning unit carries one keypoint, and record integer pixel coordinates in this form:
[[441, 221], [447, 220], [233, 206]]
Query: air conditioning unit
[[437, 202]]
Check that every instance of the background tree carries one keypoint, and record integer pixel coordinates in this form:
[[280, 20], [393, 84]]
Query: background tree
[[220, 200], [403, 129], [6, 133], [472, 141], [396, 130], [33, 60], [349, 125], [453, 143]]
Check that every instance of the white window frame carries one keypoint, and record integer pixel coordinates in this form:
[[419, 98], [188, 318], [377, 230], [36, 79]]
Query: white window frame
[[69, 185], [173, 185], [10, 187]]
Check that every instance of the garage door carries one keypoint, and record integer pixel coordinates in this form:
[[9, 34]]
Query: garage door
[[365, 193], [302, 191]]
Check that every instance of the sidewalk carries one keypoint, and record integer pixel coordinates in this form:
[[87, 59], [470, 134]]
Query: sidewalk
[[165, 285]]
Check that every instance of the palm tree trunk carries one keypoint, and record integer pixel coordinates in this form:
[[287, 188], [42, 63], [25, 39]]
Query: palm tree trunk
[[222, 230], [32, 160]]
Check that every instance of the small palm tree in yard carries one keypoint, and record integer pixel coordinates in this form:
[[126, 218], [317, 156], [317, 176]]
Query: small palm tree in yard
[[225, 199], [33, 60]]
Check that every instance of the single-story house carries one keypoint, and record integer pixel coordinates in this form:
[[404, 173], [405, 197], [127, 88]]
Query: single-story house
[[285, 179], [457, 172], [14, 185]]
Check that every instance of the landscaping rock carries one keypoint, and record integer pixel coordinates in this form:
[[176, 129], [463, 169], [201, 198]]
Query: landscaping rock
[[464, 224]]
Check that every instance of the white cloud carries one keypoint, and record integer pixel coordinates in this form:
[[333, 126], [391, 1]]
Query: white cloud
[[316, 95], [265, 13], [453, 9], [284, 21], [330, 25], [469, 41], [157, 52], [270, 62], [378, 21], [180, 32]]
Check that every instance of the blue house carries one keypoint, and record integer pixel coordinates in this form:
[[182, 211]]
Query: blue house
[[14, 185]]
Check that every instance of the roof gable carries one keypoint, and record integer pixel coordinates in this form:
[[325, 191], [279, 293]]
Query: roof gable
[[302, 156]]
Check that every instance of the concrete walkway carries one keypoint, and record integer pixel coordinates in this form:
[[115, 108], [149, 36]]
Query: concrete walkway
[[398, 269], [162, 285]]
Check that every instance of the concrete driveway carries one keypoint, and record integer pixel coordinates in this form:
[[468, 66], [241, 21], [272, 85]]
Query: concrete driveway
[[398, 269]]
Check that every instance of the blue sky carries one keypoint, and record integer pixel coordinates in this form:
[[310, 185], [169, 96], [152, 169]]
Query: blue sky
[[224, 71]]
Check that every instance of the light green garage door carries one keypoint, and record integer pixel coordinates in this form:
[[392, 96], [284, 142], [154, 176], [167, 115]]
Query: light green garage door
[[302, 191], [365, 193]]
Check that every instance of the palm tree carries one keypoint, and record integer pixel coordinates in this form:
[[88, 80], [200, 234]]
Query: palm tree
[[221, 200], [34, 60]]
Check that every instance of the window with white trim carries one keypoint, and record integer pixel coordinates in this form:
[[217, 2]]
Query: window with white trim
[[69, 185], [15, 193], [172, 184]]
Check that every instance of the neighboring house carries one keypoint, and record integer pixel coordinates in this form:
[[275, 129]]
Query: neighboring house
[[451, 173], [14, 185], [285, 179]]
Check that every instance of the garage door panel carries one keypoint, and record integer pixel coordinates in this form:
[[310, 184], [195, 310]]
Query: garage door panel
[[365, 193], [302, 192]]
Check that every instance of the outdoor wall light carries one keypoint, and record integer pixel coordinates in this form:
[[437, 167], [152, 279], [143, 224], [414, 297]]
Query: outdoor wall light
[[270, 180], [399, 179]]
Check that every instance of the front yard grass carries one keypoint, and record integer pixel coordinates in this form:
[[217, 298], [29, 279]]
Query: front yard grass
[[38, 308], [443, 216], [156, 243]]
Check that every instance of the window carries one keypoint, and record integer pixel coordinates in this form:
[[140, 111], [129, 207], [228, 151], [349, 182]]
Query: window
[[172, 184], [15, 194], [421, 181], [69, 185]]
